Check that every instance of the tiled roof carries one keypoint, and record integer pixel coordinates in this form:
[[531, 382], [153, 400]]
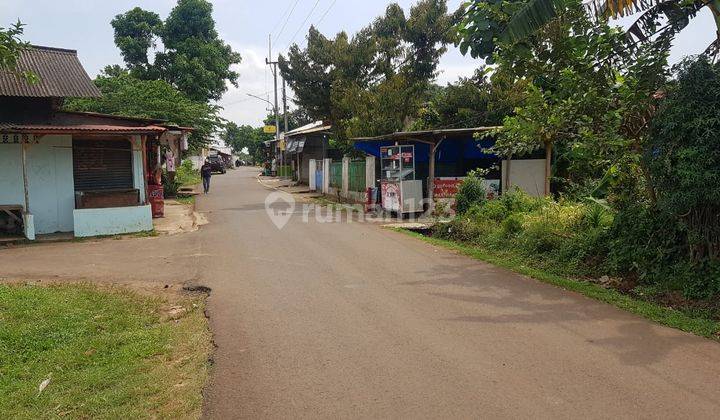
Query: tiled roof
[[78, 129], [60, 72]]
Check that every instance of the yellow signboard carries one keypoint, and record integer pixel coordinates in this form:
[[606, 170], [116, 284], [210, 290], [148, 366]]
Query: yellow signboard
[[269, 129], [282, 145]]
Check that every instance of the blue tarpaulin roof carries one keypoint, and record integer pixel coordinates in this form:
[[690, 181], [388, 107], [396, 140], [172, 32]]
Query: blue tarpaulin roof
[[452, 149]]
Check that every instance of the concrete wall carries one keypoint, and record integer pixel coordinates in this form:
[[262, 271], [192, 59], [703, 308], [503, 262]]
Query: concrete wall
[[370, 172], [326, 176], [527, 174], [312, 168], [50, 182], [112, 221]]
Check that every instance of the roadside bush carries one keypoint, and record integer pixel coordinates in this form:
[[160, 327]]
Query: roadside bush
[[170, 189], [462, 229], [186, 175], [517, 200], [472, 191], [512, 225], [491, 210]]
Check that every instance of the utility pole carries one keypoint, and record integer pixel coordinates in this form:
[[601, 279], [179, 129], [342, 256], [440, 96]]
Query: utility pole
[[273, 67], [285, 106], [285, 114]]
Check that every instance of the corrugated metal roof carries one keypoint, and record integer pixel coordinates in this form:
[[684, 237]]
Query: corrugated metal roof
[[419, 135], [315, 127], [9, 128], [60, 72]]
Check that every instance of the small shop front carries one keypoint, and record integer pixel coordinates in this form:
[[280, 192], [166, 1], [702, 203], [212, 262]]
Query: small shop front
[[88, 180]]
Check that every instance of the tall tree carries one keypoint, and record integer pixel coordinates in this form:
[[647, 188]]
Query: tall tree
[[194, 59], [376, 80], [11, 46], [123, 94]]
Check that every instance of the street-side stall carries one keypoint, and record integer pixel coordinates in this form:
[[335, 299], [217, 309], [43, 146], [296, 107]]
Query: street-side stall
[[401, 192], [441, 159]]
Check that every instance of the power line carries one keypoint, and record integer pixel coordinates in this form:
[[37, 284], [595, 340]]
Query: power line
[[244, 99], [303, 24], [326, 12], [281, 19], [286, 20]]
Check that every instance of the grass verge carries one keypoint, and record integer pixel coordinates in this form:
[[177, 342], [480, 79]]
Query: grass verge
[[110, 353], [667, 316], [187, 200]]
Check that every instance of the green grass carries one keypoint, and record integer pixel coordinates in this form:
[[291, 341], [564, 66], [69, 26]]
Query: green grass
[[108, 353], [696, 323]]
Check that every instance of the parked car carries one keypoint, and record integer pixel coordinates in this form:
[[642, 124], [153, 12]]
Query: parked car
[[217, 164]]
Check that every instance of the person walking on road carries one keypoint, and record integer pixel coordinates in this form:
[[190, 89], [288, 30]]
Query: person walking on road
[[206, 173]]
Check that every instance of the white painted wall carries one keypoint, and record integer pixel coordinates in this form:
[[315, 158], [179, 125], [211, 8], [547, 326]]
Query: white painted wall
[[312, 168], [326, 176], [527, 174]]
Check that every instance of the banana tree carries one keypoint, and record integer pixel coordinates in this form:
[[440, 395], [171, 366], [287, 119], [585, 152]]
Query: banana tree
[[479, 34]]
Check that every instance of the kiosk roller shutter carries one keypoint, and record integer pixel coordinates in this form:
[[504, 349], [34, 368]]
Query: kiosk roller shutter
[[102, 164]]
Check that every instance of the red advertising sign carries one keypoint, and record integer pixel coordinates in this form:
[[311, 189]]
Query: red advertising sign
[[446, 188]]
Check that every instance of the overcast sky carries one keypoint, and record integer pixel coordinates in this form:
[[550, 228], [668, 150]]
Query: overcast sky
[[84, 25]]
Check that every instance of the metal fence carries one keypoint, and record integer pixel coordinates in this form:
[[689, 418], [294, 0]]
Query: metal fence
[[336, 174], [356, 174]]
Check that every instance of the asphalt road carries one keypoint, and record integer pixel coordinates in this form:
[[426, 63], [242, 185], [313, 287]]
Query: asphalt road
[[349, 320]]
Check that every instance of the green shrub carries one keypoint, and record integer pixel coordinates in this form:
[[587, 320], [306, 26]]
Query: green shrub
[[186, 175], [472, 191], [492, 210], [517, 200], [512, 225]]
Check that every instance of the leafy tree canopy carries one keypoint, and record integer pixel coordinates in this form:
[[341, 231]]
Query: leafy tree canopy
[[123, 94], [376, 80], [489, 24], [11, 45], [195, 59]]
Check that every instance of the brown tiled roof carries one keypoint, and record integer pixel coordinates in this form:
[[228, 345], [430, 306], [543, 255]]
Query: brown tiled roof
[[9, 128], [60, 72]]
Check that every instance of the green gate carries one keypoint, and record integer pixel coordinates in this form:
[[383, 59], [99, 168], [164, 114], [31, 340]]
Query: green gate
[[357, 176], [336, 175]]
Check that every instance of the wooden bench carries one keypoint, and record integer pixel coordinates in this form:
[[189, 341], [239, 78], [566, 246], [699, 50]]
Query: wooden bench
[[9, 209]]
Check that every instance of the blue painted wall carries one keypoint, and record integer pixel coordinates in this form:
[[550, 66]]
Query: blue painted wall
[[11, 180], [112, 221], [50, 182]]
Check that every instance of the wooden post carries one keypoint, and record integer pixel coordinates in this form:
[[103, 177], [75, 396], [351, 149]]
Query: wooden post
[[548, 167], [25, 177]]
